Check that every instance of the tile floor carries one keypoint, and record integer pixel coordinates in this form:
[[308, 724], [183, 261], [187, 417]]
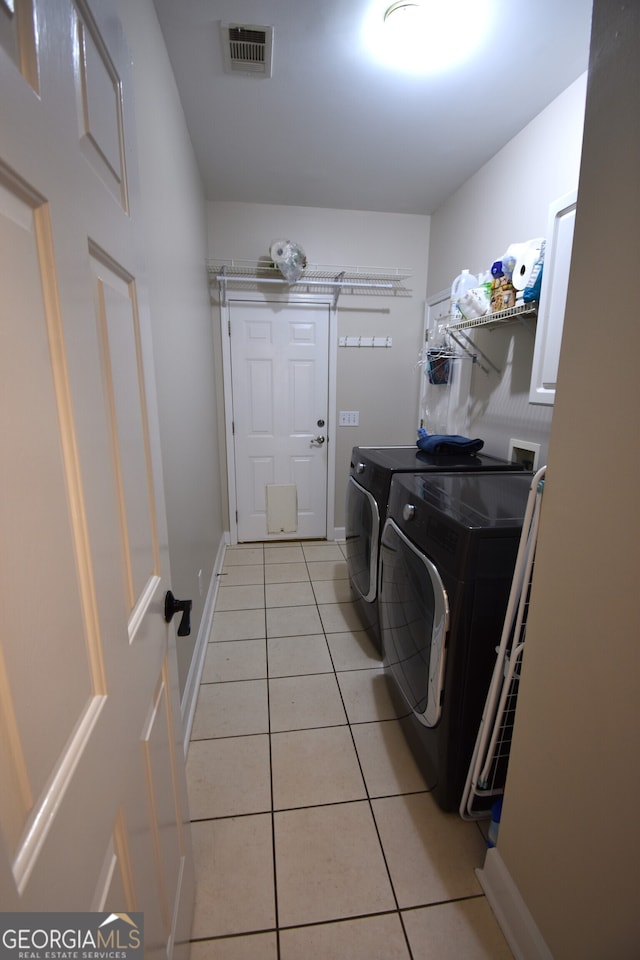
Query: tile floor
[[313, 832]]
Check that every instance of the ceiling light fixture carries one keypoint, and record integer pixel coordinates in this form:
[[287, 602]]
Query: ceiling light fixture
[[426, 36], [405, 6], [408, 8]]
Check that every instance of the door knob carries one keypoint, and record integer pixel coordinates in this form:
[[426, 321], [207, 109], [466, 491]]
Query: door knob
[[171, 606], [317, 441]]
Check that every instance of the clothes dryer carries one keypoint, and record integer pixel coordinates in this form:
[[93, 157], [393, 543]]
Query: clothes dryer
[[447, 556], [370, 475]]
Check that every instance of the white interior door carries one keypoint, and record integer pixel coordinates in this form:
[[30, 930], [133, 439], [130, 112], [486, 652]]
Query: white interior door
[[92, 807], [280, 386]]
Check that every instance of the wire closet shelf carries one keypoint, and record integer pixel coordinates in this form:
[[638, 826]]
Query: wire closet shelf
[[521, 311], [317, 278]]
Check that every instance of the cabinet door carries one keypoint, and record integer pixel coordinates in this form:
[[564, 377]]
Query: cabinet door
[[553, 297]]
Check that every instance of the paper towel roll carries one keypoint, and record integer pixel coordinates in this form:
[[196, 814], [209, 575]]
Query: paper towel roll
[[289, 258], [526, 255], [280, 250]]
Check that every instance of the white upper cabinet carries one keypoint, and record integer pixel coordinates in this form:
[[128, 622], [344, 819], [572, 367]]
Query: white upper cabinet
[[553, 296]]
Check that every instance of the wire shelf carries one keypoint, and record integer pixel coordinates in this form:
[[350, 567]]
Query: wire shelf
[[520, 312], [317, 278]]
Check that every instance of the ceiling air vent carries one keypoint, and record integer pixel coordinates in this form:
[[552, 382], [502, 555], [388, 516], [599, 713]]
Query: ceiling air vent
[[247, 49]]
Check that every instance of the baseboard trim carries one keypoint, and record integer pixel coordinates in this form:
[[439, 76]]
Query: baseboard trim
[[192, 686], [513, 915]]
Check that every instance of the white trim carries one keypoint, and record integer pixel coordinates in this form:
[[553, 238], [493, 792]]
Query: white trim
[[228, 395], [333, 420], [553, 298], [228, 420], [192, 686], [513, 915], [437, 298]]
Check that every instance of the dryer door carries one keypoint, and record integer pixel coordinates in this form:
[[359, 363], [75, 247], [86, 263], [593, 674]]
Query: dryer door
[[362, 535], [414, 620]]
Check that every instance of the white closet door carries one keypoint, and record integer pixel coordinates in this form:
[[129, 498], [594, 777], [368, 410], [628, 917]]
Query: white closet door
[[93, 810]]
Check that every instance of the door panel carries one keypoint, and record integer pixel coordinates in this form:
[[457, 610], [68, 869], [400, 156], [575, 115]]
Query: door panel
[[260, 398], [93, 804], [302, 399], [115, 884], [261, 474], [41, 504], [17, 37], [301, 470], [159, 761], [100, 110], [279, 374], [123, 376]]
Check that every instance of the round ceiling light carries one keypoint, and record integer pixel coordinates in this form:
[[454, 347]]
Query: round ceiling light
[[426, 36], [406, 7]]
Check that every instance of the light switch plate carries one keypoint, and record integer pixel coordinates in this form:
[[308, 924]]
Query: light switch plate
[[349, 418]]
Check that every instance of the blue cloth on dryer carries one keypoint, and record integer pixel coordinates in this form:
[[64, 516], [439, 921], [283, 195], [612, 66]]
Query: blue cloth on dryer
[[447, 443]]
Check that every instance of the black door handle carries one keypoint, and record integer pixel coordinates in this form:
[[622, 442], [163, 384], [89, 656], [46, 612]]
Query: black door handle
[[171, 606]]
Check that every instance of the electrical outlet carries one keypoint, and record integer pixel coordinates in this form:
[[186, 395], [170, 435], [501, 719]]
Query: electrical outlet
[[524, 452], [349, 418]]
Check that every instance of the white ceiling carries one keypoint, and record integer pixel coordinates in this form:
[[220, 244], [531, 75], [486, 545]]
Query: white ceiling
[[333, 129]]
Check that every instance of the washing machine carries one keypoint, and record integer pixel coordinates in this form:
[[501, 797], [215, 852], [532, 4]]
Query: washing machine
[[370, 475], [447, 556]]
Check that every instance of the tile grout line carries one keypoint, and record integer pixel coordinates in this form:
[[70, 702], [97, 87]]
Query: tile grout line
[[271, 795], [397, 911], [369, 799], [324, 923]]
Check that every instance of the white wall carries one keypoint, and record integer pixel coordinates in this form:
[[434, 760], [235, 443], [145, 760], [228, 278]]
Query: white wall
[[382, 384], [507, 201], [173, 209], [569, 831]]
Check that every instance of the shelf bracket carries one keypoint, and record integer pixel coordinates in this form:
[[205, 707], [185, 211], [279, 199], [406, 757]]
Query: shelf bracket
[[459, 333], [336, 293], [483, 355]]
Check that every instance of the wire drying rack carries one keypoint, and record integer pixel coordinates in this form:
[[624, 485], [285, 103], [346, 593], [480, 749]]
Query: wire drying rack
[[488, 769]]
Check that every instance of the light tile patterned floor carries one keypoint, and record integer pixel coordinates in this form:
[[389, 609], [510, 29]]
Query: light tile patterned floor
[[314, 835]]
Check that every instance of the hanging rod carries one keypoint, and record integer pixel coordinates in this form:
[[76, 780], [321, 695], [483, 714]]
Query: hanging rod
[[365, 280], [306, 282]]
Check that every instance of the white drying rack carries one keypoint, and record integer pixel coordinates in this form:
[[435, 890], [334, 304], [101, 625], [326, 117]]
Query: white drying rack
[[488, 769]]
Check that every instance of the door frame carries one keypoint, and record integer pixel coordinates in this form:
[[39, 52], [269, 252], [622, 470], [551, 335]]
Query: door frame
[[288, 299]]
